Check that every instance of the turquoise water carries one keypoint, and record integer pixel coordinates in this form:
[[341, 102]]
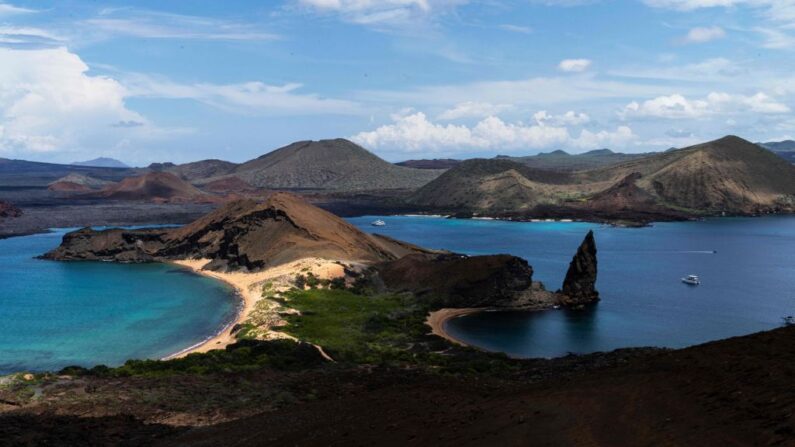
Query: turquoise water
[[747, 286], [55, 314]]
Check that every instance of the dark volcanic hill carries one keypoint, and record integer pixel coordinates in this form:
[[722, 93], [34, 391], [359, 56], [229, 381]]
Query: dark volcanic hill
[[198, 170], [436, 163], [784, 149], [727, 175], [333, 165], [493, 185], [154, 186], [240, 235], [563, 161]]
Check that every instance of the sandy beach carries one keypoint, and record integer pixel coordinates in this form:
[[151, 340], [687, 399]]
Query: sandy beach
[[437, 319], [249, 288]]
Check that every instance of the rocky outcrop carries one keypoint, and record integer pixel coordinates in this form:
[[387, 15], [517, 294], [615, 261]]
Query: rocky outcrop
[[579, 287], [243, 235], [9, 210], [459, 281]]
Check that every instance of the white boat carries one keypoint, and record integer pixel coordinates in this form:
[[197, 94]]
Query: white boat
[[692, 280], [378, 223]]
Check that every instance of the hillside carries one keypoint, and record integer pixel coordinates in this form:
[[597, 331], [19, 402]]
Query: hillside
[[727, 175], [332, 165], [563, 161], [493, 185], [784, 149], [77, 183], [197, 170], [241, 235], [436, 163], [154, 186]]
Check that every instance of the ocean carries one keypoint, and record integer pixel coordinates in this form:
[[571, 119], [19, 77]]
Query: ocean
[[746, 265]]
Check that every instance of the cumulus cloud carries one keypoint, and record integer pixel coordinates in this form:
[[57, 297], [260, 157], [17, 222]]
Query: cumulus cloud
[[472, 109], [704, 34], [49, 102], [574, 65], [570, 118], [413, 132], [677, 106]]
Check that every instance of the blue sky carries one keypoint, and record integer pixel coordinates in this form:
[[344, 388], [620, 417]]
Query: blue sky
[[180, 81]]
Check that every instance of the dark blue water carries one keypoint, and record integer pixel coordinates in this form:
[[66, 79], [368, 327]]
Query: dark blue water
[[747, 286], [54, 314]]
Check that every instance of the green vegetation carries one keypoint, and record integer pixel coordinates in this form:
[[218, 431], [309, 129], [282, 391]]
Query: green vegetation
[[380, 330], [246, 355]]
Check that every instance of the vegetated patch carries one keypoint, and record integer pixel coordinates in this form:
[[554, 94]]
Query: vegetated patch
[[386, 330]]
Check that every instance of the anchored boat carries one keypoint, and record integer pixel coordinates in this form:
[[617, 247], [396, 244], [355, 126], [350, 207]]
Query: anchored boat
[[692, 280]]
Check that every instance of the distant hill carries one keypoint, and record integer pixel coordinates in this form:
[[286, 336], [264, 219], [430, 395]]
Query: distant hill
[[156, 187], [784, 149], [330, 165], [436, 163], [563, 161], [727, 175], [101, 162], [19, 173], [77, 183], [196, 170]]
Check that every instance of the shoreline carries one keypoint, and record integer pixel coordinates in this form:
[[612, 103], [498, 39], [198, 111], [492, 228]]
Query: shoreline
[[438, 318], [248, 288], [222, 338]]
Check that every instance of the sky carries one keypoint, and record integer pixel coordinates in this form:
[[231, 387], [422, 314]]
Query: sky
[[154, 81]]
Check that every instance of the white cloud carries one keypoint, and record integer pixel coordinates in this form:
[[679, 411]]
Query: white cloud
[[574, 65], [256, 98], [689, 5], [415, 133], [704, 34], [472, 109], [7, 9], [382, 12], [516, 28], [570, 118], [677, 106], [159, 25], [710, 69], [48, 102]]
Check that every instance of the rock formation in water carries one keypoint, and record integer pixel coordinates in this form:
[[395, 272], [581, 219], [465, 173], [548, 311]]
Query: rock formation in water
[[245, 235], [579, 287]]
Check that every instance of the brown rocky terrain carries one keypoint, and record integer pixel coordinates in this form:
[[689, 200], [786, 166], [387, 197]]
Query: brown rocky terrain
[[9, 210], [734, 392], [160, 187], [436, 163], [243, 234], [330, 165]]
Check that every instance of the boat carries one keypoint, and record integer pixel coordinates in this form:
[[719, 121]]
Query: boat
[[692, 280], [378, 223]]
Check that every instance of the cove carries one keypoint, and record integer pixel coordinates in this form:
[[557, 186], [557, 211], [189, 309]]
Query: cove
[[746, 267], [56, 314]]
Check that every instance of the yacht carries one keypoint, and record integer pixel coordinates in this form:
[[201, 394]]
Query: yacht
[[378, 223], [692, 280]]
